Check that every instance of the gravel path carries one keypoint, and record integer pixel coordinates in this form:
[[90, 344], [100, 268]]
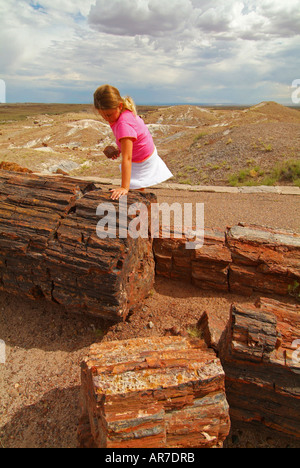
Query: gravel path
[[227, 209]]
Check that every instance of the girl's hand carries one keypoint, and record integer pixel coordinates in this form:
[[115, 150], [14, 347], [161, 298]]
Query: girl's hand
[[111, 152], [118, 193]]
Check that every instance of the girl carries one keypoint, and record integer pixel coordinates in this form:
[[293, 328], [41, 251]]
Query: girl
[[141, 166]]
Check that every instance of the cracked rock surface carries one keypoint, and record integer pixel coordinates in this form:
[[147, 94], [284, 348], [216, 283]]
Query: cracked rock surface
[[49, 247]]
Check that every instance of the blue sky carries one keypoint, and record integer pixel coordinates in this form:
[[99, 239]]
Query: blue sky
[[157, 51]]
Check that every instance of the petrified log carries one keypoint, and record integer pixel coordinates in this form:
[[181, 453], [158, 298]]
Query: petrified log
[[262, 365], [263, 260], [205, 267], [152, 392], [244, 259], [211, 263], [49, 247], [13, 167]]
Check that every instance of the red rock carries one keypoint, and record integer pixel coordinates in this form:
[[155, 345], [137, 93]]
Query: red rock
[[152, 392]]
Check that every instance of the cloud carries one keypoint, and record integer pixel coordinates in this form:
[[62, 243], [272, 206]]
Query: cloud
[[140, 17], [179, 50], [183, 24]]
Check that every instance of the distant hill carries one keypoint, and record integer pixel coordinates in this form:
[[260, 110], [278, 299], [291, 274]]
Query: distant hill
[[201, 145]]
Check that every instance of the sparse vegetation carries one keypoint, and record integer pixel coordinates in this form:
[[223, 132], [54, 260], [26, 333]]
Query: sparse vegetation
[[262, 146], [246, 177], [199, 136], [261, 149], [267, 148], [194, 331], [186, 182], [288, 171], [283, 172], [294, 290]]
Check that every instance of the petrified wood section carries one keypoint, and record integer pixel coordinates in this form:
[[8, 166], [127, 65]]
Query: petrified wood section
[[206, 267], [13, 167], [244, 259], [262, 367], [103, 277], [152, 392], [263, 260], [31, 210], [49, 247]]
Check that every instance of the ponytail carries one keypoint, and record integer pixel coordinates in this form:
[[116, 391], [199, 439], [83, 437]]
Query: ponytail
[[129, 104]]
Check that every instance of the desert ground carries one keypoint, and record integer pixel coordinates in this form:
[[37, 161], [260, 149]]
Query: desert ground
[[40, 380], [258, 145]]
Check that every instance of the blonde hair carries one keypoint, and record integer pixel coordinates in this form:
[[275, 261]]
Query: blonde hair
[[107, 97]]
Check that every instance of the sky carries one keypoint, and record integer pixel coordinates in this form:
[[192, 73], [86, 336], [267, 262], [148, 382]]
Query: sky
[[157, 51]]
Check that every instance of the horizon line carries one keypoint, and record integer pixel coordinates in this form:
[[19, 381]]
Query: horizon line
[[153, 104]]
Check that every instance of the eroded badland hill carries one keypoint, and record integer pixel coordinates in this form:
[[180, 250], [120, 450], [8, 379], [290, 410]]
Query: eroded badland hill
[[201, 145]]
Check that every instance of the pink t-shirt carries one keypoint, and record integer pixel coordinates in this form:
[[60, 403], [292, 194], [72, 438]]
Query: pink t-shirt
[[131, 126]]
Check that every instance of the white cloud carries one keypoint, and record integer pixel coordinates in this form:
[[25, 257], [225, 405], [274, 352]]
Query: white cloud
[[169, 49], [140, 17], [230, 18]]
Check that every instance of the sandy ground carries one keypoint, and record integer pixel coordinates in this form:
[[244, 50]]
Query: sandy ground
[[40, 380], [228, 209]]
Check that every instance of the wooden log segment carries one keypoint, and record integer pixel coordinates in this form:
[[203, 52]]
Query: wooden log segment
[[205, 267], [263, 259], [49, 246], [243, 260], [261, 359], [152, 392]]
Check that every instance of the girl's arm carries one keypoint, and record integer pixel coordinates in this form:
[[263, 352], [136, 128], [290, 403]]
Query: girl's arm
[[126, 148]]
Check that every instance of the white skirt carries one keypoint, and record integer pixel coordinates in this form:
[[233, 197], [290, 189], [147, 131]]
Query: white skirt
[[151, 172]]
